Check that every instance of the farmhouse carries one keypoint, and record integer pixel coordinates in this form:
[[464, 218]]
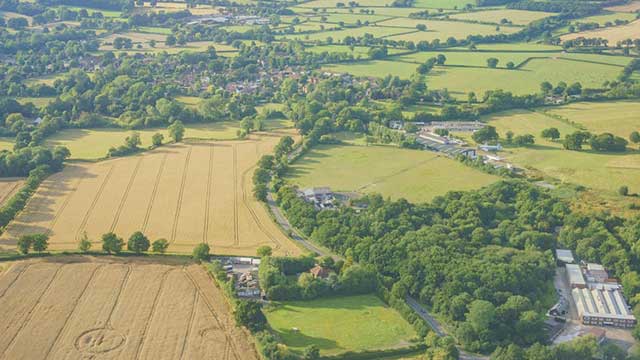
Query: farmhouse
[[320, 272], [321, 197]]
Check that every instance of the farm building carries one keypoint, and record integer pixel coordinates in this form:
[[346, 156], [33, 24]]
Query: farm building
[[575, 277], [321, 197], [444, 145], [565, 256], [603, 306], [456, 126], [596, 273], [486, 147]]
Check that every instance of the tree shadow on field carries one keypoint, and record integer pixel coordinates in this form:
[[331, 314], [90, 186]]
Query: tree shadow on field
[[299, 340]]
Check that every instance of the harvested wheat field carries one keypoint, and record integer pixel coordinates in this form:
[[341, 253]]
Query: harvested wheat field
[[110, 308], [612, 34], [186, 193], [8, 187]]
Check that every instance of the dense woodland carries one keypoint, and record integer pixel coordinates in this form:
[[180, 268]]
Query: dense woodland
[[482, 260]]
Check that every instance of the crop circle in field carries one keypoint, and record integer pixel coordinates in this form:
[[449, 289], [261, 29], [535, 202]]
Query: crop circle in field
[[97, 341]]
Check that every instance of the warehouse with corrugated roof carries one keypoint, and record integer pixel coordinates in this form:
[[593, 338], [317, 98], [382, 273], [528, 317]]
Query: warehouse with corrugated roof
[[603, 306]]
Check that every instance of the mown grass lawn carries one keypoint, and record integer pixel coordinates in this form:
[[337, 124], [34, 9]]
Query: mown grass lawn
[[415, 175], [340, 324]]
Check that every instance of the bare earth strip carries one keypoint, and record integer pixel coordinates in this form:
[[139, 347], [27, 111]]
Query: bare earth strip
[[112, 308], [185, 193]]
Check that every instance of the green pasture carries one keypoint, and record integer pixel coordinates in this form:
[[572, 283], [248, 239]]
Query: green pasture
[[517, 17], [358, 51], [349, 18], [339, 324], [601, 171], [526, 80], [374, 68], [460, 58], [513, 47], [91, 11], [442, 30], [6, 143], [617, 117], [415, 175], [154, 30], [37, 101], [339, 35], [333, 3], [443, 4]]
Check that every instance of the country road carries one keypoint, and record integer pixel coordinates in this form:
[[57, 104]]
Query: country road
[[437, 328], [415, 305], [284, 223]]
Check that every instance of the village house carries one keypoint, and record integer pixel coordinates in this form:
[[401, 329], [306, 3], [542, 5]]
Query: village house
[[320, 272]]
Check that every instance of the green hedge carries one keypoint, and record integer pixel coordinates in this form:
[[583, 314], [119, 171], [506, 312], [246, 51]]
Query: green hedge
[[18, 201], [377, 354]]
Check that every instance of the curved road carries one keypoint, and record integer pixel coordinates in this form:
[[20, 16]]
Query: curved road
[[415, 305]]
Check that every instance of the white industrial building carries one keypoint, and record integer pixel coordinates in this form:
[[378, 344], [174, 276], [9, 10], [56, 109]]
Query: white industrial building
[[563, 255], [575, 277], [603, 306], [598, 299]]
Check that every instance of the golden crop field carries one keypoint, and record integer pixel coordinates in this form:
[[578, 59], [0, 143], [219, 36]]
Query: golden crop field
[[185, 193], [613, 34], [8, 187], [87, 308]]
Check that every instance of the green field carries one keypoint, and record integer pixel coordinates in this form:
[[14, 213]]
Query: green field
[[591, 71], [525, 80], [517, 17], [618, 117], [442, 30], [339, 35], [340, 324], [94, 143], [6, 143], [37, 101], [105, 13], [514, 47], [415, 175], [600, 171]]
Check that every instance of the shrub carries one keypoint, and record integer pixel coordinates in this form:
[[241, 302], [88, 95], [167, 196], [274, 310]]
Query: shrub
[[201, 252], [111, 243], [160, 246], [138, 243]]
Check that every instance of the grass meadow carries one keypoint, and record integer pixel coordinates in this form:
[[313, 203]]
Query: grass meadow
[[617, 117], [415, 175], [339, 324], [601, 171], [517, 17]]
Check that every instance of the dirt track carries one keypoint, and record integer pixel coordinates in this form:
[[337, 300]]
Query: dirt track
[[113, 308]]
